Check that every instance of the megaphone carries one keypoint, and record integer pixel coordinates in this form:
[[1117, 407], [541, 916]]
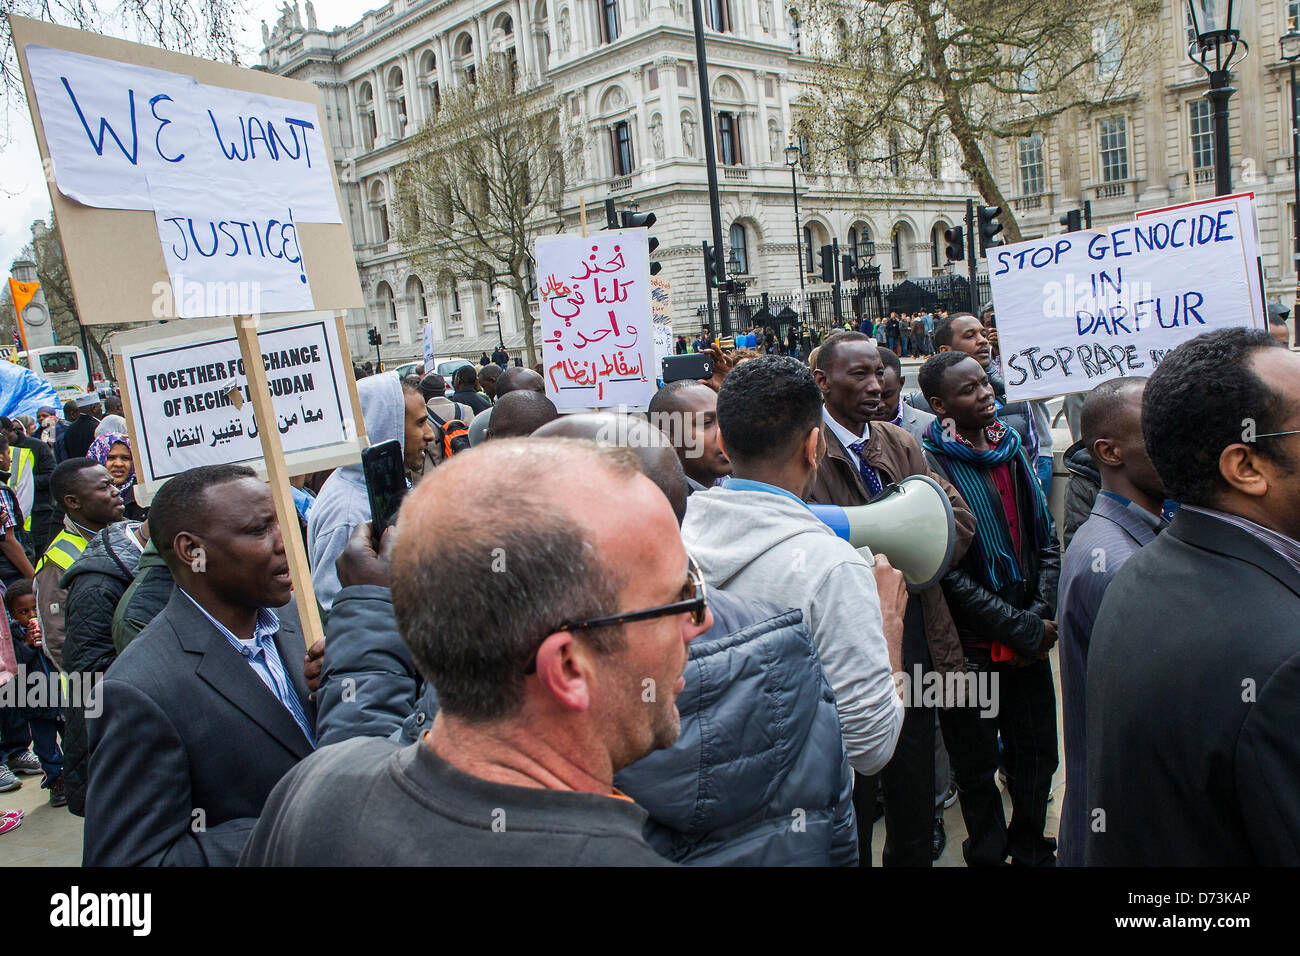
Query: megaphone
[[910, 522]]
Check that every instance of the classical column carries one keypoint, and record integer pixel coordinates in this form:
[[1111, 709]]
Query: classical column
[[522, 41], [411, 90], [480, 42], [764, 156], [383, 125], [444, 62], [667, 67]]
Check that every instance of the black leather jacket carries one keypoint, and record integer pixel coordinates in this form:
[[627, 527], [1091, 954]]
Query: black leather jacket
[[1015, 614]]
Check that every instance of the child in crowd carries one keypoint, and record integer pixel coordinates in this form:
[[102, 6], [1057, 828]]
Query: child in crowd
[[45, 722]]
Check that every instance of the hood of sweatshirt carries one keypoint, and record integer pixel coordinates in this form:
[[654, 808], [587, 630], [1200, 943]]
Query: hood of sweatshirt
[[727, 530]]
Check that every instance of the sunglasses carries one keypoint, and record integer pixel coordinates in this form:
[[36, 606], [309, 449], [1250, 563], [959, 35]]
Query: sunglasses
[[693, 600]]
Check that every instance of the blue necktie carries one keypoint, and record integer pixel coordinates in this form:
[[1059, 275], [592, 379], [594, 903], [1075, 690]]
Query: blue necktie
[[869, 476]]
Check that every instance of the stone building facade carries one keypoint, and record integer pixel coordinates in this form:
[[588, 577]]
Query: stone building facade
[[625, 75]]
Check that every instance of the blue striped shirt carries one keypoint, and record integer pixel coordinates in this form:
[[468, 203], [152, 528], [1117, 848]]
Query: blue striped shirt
[[264, 657]]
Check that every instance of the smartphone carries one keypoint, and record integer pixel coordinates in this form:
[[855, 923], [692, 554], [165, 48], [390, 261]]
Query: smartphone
[[385, 472], [697, 365]]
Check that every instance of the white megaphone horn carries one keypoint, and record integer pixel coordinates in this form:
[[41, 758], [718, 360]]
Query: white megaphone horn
[[910, 522]]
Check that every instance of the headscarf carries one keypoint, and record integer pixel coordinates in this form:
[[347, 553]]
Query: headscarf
[[99, 451], [111, 424]]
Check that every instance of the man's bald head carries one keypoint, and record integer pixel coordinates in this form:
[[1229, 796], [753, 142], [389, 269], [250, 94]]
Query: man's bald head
[[516, 378], [474, 606], [520, 413], [487, 379], [655, 454]]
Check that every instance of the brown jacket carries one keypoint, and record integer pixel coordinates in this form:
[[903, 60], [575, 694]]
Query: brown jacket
[[896, 455]]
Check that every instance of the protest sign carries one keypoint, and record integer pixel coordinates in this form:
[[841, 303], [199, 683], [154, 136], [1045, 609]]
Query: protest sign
[[597, 331], [1076, 309], [133, 136], [661, 309], [430, 358], [188, 399]]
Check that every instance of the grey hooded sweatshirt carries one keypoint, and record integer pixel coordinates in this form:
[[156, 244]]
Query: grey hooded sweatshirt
[[769, 546], [342, 503]]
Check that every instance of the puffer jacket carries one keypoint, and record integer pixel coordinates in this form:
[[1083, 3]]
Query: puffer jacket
[[759, 738], [1082, 490], [94, 584], [144, 599]]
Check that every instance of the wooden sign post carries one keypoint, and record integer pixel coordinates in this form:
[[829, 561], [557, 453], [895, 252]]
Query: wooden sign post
[[278, 476]]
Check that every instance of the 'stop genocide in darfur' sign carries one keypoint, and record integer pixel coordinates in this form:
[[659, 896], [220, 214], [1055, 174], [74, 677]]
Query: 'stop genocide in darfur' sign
[[1077, 309], [110, 126]]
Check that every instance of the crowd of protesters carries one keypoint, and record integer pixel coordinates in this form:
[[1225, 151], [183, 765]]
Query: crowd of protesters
[[625, 639]]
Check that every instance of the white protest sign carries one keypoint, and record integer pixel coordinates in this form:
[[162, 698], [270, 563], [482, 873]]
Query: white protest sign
[[1077, 309], [110, 126], [429, 356], [661, 308], [187, 394], [255, 256], [597, 331]]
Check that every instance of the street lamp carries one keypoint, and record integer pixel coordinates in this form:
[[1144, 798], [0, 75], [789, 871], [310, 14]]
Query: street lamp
[[1290, 44], [793, 154], [1214, 49]]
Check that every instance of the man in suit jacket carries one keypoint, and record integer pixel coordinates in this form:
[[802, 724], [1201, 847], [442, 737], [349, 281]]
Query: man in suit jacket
[[207, 709], [1125, 518], [1194, 668]]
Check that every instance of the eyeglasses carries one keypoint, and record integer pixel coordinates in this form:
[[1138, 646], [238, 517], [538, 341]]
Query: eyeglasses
[[1277, 434], [694, 600]]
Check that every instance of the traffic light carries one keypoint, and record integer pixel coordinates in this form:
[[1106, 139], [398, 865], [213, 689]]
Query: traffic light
[[846, 266], [375, 337], [1072, 220], [989, 227], [710, 262], [826, 262], [643, 220], [954, 243]]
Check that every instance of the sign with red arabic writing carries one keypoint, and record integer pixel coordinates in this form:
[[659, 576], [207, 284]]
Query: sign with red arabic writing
[[597, 334]]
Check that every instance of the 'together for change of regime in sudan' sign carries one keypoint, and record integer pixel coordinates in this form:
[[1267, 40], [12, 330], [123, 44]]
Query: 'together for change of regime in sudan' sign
[[1076, 309]]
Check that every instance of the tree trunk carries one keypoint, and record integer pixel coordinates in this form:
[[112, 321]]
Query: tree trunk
[[526, 317]]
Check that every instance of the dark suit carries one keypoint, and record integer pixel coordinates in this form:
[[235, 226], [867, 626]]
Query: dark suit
[[1194, 704], [188, 726], [1111, 536]]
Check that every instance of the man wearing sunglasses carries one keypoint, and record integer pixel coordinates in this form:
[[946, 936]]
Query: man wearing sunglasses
[[556, 635]]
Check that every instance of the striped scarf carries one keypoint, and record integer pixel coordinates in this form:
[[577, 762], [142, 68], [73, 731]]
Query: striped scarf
[[968, 469]]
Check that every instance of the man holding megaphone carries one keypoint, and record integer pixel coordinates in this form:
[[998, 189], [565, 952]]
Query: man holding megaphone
[[864, 456]]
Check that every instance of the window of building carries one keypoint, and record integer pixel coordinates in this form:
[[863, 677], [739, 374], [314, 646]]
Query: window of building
[[1109, 50], [1114, 149], [719, 14], [621, 136], [387, 307], [1293, 15], [896, 249], [729, 139], [1031, 164], [366, 114], [455, 298], [379, 208], [792, 27], [1201, 126], [739, 251], [415, 292], [936, 243], [608, 20]]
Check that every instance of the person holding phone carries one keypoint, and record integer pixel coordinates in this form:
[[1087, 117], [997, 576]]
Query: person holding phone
[[392, 411]]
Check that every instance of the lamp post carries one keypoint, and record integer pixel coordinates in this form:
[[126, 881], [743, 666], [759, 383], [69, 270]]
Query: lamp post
[[710, 160], [1214, 48], [1290, 44], [793, 154]]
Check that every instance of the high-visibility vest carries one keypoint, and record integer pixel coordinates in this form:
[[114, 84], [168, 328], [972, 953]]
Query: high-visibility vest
[[23, 481], [63, 550]]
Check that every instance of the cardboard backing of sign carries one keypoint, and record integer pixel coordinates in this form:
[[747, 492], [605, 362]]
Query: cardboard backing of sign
[[114, 256], [141, 352]]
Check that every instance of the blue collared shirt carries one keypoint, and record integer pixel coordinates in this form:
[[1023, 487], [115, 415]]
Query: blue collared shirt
[[748, 484], [264, 657], [1157, 522]]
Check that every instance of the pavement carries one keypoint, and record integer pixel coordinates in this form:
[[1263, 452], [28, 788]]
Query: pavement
[[49, 836]]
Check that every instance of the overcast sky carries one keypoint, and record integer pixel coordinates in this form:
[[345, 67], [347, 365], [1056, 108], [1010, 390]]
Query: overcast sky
[[24, 196]]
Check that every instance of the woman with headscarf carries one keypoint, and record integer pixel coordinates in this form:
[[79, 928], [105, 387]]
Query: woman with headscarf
[[113, 451]]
